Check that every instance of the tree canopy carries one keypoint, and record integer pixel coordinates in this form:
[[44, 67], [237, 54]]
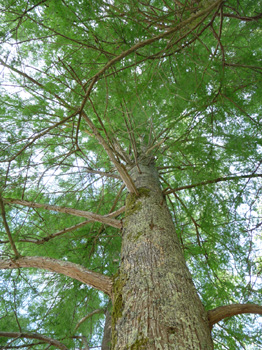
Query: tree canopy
[[87, 89]]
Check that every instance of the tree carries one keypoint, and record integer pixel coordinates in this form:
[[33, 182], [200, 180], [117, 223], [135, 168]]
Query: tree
[[130, 174]]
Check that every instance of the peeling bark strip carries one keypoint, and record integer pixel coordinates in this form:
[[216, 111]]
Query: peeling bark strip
[[222, 312], [156, 306], [104, 219], [43, 338], [78, 272]]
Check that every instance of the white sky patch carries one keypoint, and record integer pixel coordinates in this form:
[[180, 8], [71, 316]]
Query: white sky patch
[[139, 71]]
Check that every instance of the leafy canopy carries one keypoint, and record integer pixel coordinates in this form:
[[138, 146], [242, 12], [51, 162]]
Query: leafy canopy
[[180, 80]]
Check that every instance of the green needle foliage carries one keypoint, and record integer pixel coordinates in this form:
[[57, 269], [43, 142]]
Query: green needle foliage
[[180, 80]]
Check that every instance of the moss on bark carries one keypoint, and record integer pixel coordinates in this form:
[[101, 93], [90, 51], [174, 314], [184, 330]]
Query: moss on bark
[[132, 201], [119, 280]]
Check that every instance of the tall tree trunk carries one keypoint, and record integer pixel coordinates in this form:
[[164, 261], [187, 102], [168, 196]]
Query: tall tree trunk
[[156, 305]]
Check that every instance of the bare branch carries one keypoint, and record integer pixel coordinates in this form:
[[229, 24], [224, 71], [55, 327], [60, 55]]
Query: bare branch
[[75, 271], [102, 173], [243, 66], [106, 219], [221, 312], [54, 235], [66, 230], [43, 338], [120, 168], [7, 228], [98, 311], [219, 179], [244, 18]]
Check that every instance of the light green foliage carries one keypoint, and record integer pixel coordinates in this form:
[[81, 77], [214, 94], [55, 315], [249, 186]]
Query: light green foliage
[[191, 99]]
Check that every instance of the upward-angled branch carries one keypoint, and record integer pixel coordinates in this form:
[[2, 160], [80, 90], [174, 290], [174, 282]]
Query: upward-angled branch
[[2, 207], [106, 219], [98, 311], [134, 48], [122, 171], [56, 234], [41, 134], [43, 338], [76, 271], [221, 312], [120, 168], [219, 179]]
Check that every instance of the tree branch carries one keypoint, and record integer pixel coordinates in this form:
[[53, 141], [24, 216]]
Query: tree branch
[[54, 235], [244, 18], [120, 168], [149, 41], [7, 228], [29, 78], [105, 219], [66, 230], [76, 271], [98, 311], [43, 338], [219, 179], [221, 312], [102, 173], [44, 132]]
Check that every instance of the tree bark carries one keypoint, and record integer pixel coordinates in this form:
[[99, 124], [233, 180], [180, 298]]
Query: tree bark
[[156, 305]]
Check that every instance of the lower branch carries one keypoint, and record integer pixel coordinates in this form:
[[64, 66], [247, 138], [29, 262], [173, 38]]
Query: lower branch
[[221, 312], [104, 219], [43, 338], [78, 272]]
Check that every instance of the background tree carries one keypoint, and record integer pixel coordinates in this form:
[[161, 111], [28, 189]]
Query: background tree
[[90, 89]]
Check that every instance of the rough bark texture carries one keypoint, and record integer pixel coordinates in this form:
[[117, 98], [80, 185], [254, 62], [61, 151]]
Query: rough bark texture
[[156, 305]]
